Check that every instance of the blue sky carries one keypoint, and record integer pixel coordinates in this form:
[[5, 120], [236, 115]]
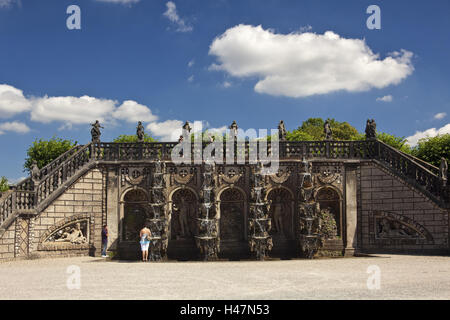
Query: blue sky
[[168, 62]]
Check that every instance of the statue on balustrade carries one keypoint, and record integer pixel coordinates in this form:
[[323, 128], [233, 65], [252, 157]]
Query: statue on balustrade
[[35, 172], [443, 171], [327, 130], [95, 131], [282, 131], [140, 132], [186, 129], [234, 130], [371, 129]]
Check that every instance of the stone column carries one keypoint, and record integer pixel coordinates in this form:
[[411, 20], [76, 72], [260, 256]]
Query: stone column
[[351, 212], [112, 208]]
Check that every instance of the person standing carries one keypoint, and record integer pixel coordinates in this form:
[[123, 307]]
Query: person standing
[[145, 235], [104, 240]]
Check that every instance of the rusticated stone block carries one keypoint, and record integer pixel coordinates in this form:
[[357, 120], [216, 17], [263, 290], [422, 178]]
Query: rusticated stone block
[[83, 185], [66, 196], [64, 209], [382, 195], [83, 197]]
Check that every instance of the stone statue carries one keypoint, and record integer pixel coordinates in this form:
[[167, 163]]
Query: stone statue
[[160, 167], [278, 215], [72, 235], [183, 212], [35, 172], [282, 131], [443, 171], [234, 130], [392, 230], [95, 131], [186, 129], [327, 130], [371, 129], [140, 132]]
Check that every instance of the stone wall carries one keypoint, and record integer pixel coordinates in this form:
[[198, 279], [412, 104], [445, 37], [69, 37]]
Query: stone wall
[[82, 201], [7, 243], [415, 223]]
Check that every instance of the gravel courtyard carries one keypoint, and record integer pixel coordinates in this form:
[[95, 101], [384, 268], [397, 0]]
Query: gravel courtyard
[[401, 277]]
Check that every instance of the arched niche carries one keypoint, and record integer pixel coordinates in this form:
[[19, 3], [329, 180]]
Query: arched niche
[[135, 208], [183, 208], [330, 199], [232, 214], [281, 212]]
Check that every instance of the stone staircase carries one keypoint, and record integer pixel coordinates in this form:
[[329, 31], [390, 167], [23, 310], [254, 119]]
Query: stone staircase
[[29, 197]]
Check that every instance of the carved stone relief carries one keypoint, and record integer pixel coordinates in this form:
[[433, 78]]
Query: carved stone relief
[[392, 228]]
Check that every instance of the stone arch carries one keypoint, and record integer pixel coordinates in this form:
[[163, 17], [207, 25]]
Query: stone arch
[[189, 209], [135, 210], [282, 204], [330, 198], [232, 214], [219, 193], [83, 218], [170, 197], [127, 190]]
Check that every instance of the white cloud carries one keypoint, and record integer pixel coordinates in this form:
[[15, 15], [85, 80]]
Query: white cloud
[[169, 130], [191, 63], [119, 1], [14, 181], [12, 101], [226, 84], [172, 15], [433, 132], [8, 3], [440, 115], [305, 64], [305, 28], [191, 78], [131, 111], [385, 98], [72, 109], [14, 126]]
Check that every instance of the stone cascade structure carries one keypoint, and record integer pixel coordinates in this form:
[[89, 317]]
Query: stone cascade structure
[[380, 199], [207, 239], [310, 237], [259, 222], [159, 221]]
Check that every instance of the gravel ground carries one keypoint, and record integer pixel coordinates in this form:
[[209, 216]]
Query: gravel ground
[[401, 277]]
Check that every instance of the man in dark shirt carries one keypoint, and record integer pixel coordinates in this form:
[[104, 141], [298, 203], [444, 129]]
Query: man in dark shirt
[[104, 240]]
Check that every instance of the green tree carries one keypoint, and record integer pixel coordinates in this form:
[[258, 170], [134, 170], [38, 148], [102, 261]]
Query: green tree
[[124, 138], [4, 184], [432, 149], [45, 151], [399, 143], [312, 129]]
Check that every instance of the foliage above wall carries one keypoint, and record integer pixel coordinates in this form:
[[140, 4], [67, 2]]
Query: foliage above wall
[[45, 151]]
